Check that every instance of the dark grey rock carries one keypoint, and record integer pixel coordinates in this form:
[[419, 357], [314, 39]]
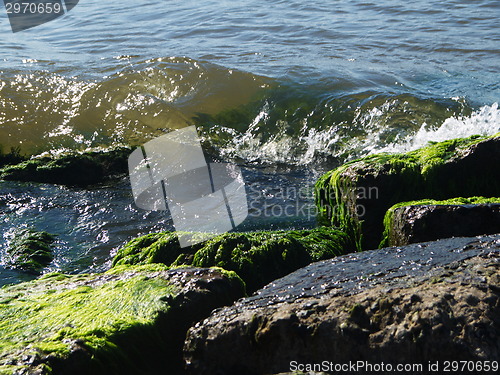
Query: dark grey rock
[[77, 169], [423, 302], [412, 224]]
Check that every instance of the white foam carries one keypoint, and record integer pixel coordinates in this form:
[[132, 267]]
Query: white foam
[[484, 121], [281, 147], [305, 147]]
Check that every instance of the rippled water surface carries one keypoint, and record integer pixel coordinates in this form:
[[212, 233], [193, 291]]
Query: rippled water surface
[[287, 89]]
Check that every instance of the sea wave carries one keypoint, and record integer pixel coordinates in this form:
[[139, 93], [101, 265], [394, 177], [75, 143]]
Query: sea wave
[[241, 116], [42, 110], [341, 129]]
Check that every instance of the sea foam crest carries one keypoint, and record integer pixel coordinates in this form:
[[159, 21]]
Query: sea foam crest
[[309, 145], [484, 121]]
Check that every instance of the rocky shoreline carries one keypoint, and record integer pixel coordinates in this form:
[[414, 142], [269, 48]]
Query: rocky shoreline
[[316, 297], [257, 257]]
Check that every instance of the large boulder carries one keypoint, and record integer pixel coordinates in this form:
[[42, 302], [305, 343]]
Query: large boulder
[[355, 196], [425, 302], [429, 220], [257, 257], [130, 320]]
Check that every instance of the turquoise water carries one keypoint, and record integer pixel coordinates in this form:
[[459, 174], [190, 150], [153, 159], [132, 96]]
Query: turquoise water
[[286, 89]]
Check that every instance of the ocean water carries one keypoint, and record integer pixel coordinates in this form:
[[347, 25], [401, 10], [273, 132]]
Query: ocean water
[[285, 89]]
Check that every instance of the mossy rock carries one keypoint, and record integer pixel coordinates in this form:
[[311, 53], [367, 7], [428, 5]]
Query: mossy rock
[[29, 251], [129, 320], [74, 169], [257, 257], [429, 220], [12, 157], [355, 196]]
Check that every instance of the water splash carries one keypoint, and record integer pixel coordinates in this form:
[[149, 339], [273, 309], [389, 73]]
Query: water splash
[[311, 131], [484, 121]]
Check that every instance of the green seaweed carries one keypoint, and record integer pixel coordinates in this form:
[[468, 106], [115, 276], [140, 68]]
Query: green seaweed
[[29, 251], [257, 257], [73, 169], [49, 315], [439, 171], [128, 320], [425, 202], [154, 248]]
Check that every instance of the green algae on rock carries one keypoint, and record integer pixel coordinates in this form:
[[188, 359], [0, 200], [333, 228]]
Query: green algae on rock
[[29, 251], [129, 320], [74, 169], [429, 220], [355, 196], [12, 157], [257, 257]]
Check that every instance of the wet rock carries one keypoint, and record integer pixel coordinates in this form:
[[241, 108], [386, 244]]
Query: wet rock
[[257, 257], [423, 302], [29, 251], [82, 169], [130, 320], [355, 196], [429, 220], [12, 157]]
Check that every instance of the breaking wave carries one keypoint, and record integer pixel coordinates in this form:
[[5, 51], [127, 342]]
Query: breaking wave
[[241, 116]]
